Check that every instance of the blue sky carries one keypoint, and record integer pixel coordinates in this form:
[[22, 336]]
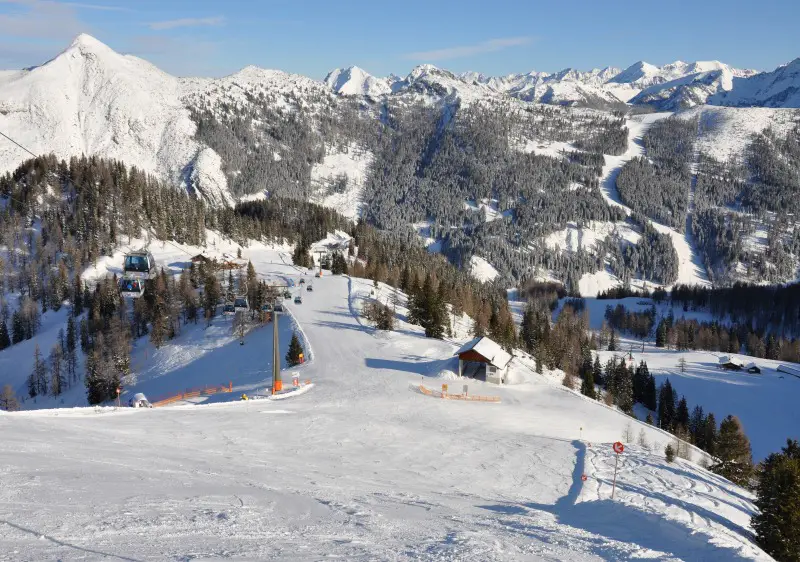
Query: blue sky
[[214, 38]]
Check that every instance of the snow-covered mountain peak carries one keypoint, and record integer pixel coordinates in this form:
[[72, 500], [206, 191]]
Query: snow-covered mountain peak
[[635, 72], [352, 81], [84, 41]]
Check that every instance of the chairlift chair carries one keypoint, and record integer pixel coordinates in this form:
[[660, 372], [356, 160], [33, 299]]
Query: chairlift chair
[[131, 287], [228, 309]]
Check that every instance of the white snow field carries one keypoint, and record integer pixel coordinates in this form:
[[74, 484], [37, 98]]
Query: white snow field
[[361, 467]]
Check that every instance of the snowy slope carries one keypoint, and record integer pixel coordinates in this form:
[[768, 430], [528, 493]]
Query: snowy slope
[[779, 88], [363, 466], [352, 165], [92, 100], [690, 269], [725, 132]]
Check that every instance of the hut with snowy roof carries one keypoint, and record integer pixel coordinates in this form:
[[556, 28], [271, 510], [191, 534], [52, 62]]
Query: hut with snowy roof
[[483, 359]]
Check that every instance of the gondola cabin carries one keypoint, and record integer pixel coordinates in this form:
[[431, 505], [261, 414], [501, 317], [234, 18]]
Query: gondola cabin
[[131, 287], [140, 265], [228, 309], [240, 304]]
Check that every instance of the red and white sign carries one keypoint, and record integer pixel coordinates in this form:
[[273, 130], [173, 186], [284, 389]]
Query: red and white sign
[[583, 477], [619, 447]]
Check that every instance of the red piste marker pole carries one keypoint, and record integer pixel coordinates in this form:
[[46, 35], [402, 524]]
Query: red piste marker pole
[[619, 448]]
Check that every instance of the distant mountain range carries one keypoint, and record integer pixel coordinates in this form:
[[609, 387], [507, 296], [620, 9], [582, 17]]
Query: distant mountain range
[[674, 86], [90, 99]]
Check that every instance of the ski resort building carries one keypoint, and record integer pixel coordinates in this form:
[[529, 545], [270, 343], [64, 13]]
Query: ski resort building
[[483, 359]]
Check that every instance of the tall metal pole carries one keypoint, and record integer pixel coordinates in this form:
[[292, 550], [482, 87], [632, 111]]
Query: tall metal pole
[[277, 383]]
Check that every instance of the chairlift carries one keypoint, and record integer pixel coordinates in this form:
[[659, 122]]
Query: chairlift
[[131, 287], [266, 307], [139, 265], [228, 309]]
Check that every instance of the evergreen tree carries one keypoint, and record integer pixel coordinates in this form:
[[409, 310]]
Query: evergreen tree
[[661, 334], [30, 383], [650, 393], [587, 386], [696, 426], [710, 434], [17, 327], [5, 339], [8, 399], [101, 378], [58, 381], [612, 341], [39, 372], [666, 406], [295, 350], [682, 414], [77, 297], [211, 295], [777, 522], [649, 419], [735, 461], [623, 389], [597, 371], [85, 338]]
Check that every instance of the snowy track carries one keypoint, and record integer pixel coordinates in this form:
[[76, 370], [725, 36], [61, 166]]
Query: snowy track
[[691, 270], [359, 468]]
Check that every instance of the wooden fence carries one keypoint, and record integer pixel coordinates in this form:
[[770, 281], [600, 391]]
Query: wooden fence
[[447, 396], [193, 393]]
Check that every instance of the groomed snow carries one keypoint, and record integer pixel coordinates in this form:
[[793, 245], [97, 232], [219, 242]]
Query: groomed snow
[[363, 466]]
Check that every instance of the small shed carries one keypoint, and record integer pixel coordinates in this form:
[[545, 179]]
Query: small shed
[[752, 368], [730, 363], [200, 258], [790, 369], [483, 359]]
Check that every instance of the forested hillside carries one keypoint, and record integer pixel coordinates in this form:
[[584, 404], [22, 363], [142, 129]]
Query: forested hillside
[[747, 211]]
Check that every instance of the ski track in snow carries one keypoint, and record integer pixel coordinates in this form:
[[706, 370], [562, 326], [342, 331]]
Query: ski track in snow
[[359, 467], [690, 271]]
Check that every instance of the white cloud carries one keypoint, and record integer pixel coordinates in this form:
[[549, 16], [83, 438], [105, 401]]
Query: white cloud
[[489, 46], [186, 22]]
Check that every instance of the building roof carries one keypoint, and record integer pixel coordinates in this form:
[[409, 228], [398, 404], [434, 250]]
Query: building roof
[[488, 349]]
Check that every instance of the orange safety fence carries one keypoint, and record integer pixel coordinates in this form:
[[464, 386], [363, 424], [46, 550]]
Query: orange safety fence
[[192, 393], [465, 397]]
